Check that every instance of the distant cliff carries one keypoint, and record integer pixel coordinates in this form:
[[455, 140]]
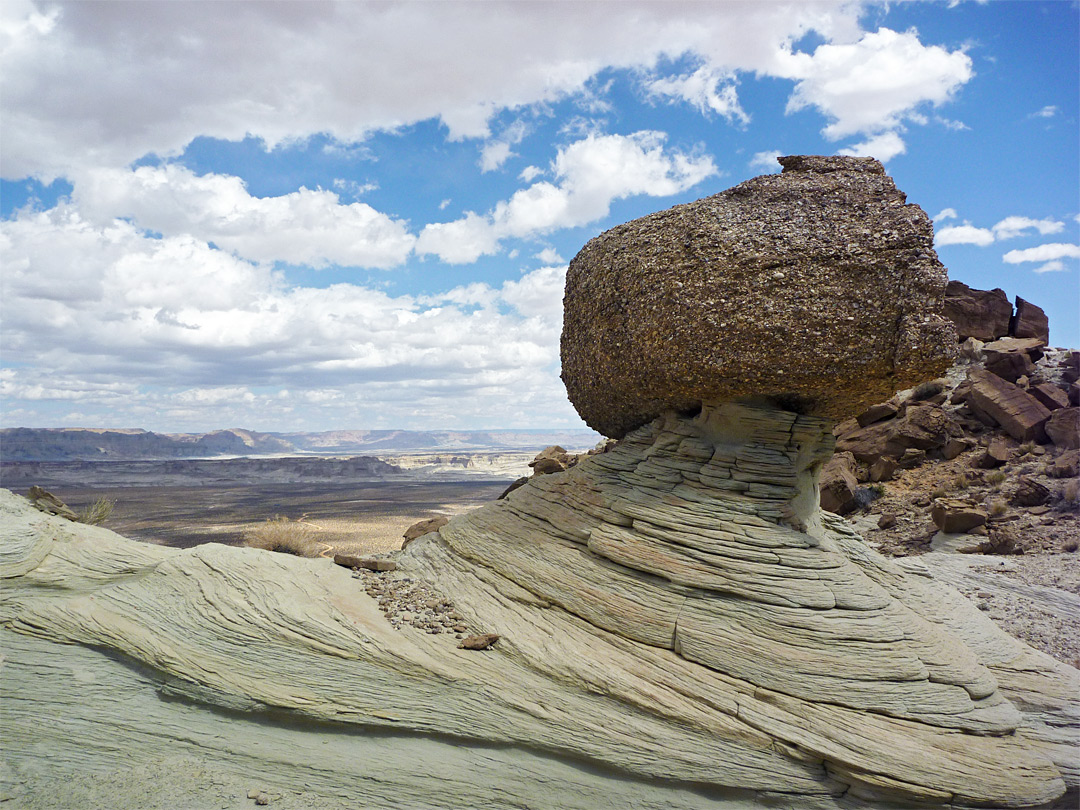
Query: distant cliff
[[90, 444]]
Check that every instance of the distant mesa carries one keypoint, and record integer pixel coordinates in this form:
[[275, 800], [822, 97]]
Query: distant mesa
[[817, 289]]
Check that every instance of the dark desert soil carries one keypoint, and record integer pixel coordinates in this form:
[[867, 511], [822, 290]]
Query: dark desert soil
[[351, 518]]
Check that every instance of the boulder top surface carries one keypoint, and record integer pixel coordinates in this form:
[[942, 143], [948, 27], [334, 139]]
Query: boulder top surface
[[817, 289]]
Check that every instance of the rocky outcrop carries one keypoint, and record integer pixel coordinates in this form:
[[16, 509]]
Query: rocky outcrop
[[1063, 428], [675, 609], [817, 289], [1029, 322], [981, 314]]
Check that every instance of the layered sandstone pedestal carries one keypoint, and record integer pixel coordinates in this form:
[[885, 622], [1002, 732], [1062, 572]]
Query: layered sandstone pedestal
[[680, 627]]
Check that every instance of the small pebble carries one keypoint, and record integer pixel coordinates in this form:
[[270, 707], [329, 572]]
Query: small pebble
[[262, 799]]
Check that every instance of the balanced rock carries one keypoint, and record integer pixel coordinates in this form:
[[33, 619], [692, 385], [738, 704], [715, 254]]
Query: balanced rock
[[817, 289], [980, 314]]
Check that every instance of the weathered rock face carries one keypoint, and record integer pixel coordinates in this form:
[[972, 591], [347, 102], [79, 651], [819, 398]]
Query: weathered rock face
[[818, 289], [1029, 322], [677, 610], [980, 314]]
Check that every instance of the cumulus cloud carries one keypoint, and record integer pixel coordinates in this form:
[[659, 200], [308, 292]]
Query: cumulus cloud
[[304, 227], [884, 147], [1007, 228], [1011, 227], [766, 160], [1043, 253], [963, 235], [871, 86], [198, 333], [1051, 267], [590, 173], [194, 70], [708, 89]]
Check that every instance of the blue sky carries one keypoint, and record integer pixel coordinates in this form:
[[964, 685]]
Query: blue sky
[[310, 216]]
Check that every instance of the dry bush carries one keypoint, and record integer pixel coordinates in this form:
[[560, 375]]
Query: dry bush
[[995, 478], [283, 535], [96, 513], [998, 507]]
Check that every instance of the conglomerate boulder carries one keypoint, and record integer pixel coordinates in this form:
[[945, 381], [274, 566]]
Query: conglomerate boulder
[[817, 289]]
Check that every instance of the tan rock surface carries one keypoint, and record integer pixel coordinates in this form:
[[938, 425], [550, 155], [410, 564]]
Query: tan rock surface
[[677, 610], [817, 288]]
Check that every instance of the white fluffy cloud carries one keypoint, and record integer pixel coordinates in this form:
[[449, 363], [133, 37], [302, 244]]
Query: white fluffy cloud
[[875, 83], [884, 147], [963, 235], [590, 173], [1043, 253], [766, 160], [304, 227], [207, 334], [1007, 228], [708, 89], [1011, 227], [193, 68]]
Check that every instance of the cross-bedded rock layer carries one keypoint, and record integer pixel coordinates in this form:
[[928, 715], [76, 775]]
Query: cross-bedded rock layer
[[677, 609], [817, 288]]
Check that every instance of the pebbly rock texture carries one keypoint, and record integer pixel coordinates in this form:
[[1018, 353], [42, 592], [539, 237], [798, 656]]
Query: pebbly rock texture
[[817, 289]]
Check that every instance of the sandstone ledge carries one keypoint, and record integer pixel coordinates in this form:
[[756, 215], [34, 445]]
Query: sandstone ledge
[[675, 610]]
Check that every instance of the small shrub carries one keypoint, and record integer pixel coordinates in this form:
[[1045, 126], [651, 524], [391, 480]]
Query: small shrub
[[940, 492], [97, 513], [1026, 448], [998, 507], [284, 536], [1072, 546], [995, 478], [959, 481]]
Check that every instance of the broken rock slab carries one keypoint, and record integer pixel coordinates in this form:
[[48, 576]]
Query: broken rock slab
[[1021, 415], [980, 314]]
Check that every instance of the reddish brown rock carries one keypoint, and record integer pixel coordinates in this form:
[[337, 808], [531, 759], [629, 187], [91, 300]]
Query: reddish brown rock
[[479, 642], [1067, 465], [546, 466], [923, 427], [1050, 395], [422, 527], [515, 485], [956, 515], [981, 314], [817, 289], [882, 469], [1021, 415], [878, 413], [838, 484], [1063, 428], [1029, 322], [1030, 492], [997, 453], [954, 447]]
